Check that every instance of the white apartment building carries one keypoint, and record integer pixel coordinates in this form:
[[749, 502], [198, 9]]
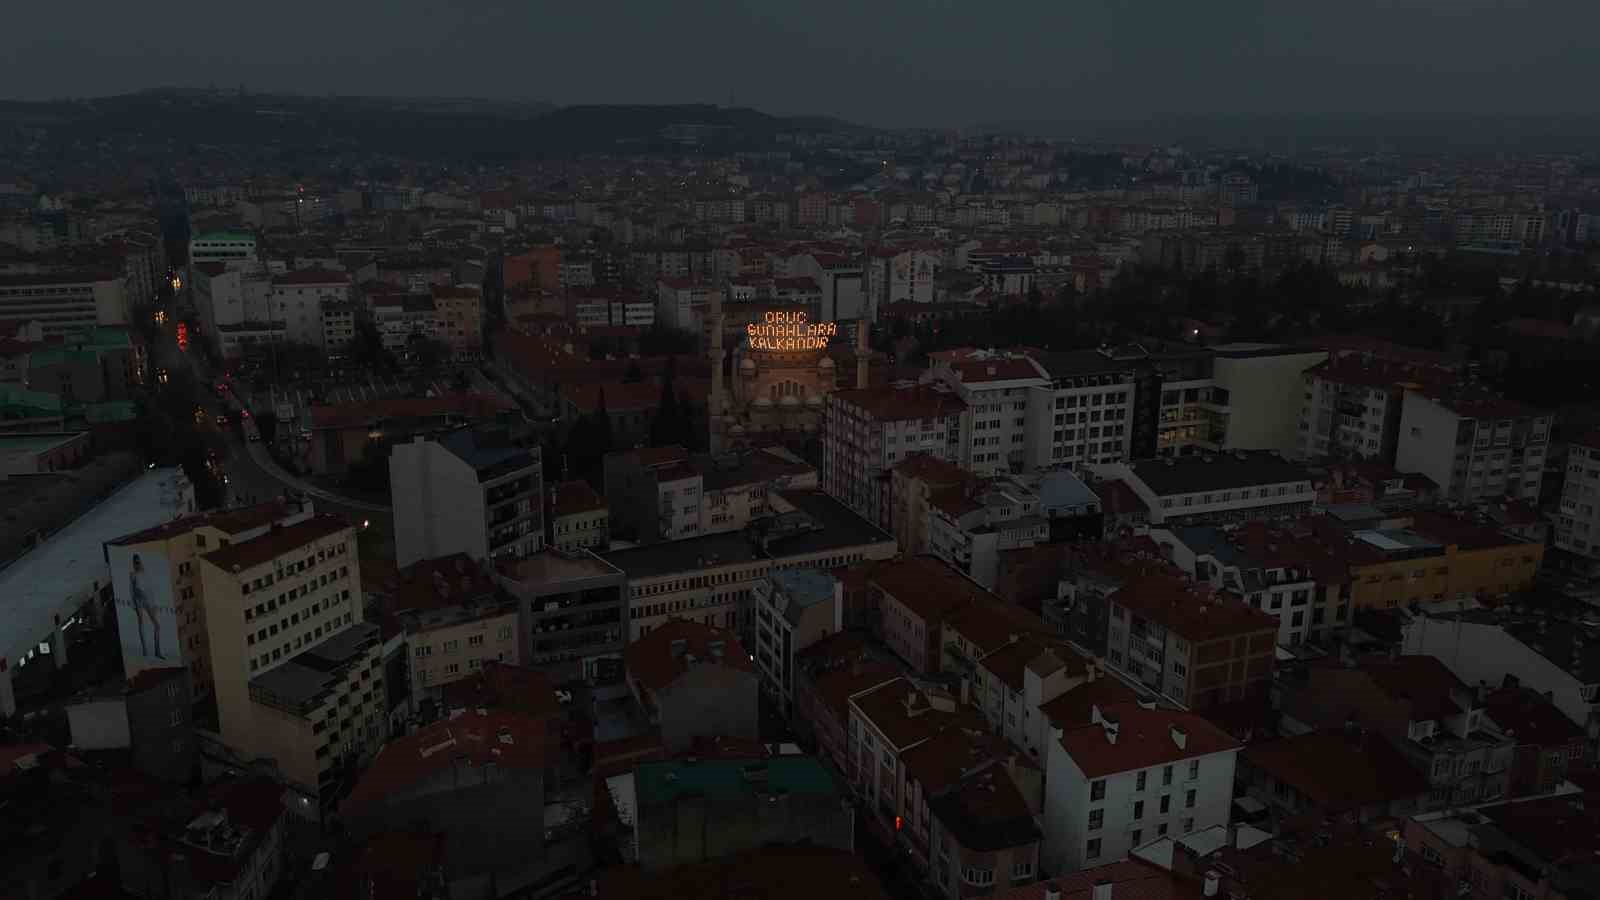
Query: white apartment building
[[400, 317], [1083, 415], [468, 492], [1352, 405], [968, 529], [221, 246], [995, 387], [297, 673], [338, 327], [298, 301], [1136, 773], [1216, 488], [1474, 446], [64, 302], [1577, 524], [900, 275], [1284, 589], [867, 431]]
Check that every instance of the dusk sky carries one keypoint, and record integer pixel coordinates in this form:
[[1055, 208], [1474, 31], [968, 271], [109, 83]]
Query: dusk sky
[[888, 62]]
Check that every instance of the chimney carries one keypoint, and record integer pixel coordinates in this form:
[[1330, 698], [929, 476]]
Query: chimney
[[1212, 883], [1051, 891], [1102, 889], [1180, 737]]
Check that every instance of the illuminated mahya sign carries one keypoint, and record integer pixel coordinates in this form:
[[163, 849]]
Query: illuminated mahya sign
[[789, 331]]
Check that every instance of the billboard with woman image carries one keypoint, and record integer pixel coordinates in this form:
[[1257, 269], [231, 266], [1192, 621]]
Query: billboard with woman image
[[147, 617]]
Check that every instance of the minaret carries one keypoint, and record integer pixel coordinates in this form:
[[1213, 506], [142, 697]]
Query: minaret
[[861, 353], [718, 405]]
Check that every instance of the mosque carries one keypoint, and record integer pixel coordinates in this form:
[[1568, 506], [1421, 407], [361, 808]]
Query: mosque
[[781, 374]]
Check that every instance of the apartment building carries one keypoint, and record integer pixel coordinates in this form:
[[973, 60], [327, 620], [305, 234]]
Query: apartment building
[[460, 312], [402, 318], [866, 432], [454, 618], [1474, 446], [1085, 414], [1524, 849], [298, 675], [579, 518], [915, 596], [573, 612], [1189, 643], [470, 491], [1431, 556], [694, 680], [980, 827], [229, 844], [827, 675], [899, 275], [711, 578], [1137, 772], [1557, 655], [1353, 402], [1577, 524], [298, 300], [1331, 775], [969, 526], [1289, 575], [1216, 488], [174, 548], [665, 494], [64, 302], [995, 387], [1422, 709], [338, 327], [915, 481], [795, 608], [221, 247]]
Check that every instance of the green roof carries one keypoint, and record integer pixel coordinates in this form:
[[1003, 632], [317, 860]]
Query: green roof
[[34, 443], [665, 782], [56, 356], [13, 398], [111, 411]]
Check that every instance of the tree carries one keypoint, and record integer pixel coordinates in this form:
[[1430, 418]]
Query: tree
[[366, 349], [426, 352]]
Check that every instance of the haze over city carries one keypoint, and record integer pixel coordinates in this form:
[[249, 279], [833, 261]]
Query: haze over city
[[893, 63]]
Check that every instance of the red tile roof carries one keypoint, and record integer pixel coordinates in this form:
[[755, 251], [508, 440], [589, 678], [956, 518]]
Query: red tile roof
[[231, 521], [1530, 718], [1074, 708], [652, 662], [569, 498], [981, 371], [933, 470], [1144, 739], [393, 865], [275, 543], [1131, 879], [928, 588], [835, 688], [1338, 771], [504, 687], [1195, 614], [897, 404], [505, 739]]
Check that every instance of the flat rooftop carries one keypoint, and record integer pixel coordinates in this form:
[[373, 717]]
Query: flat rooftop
[[554, 566], [35, 443], [54, 577], [819, 523], [304, 677], [1219, 472]]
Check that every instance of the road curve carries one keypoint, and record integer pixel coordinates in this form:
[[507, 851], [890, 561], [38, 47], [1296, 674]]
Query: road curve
[[263, 459]]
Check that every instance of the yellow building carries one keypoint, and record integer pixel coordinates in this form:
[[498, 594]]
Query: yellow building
[[179, 544], [460, 310], [297, 673], [1438, 557]]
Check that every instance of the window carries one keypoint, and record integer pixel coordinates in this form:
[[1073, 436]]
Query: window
[[1137, 836], [1022, 870], [1097, 790], [1091, 850], [1194, 770], [1138, 809], [976, 876], [1188, 800], [1188, 825], [1166, 775], [1166, 804], [1097, 818], [1138, 782]]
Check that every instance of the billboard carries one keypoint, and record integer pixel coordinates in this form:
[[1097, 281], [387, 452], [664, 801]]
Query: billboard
[[147, 617]]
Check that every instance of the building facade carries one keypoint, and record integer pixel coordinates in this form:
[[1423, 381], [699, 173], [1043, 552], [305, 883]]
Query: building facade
[[468, 492]]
